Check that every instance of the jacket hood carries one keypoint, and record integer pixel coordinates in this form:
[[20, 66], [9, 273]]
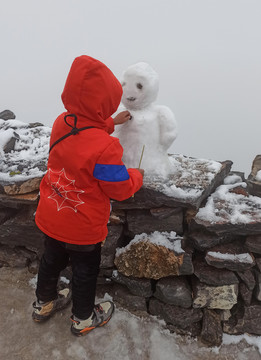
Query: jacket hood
[[91, 91]]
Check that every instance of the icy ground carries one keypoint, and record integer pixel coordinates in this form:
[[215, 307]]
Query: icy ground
[[126, 337]]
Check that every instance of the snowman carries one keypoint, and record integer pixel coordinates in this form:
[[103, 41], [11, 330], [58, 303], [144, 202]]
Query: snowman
[[151, 129]]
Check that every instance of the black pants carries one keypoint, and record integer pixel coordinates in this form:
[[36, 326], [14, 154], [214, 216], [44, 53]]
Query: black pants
[[85, 261]]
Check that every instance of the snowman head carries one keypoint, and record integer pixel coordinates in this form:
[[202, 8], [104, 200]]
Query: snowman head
[[140, 85]]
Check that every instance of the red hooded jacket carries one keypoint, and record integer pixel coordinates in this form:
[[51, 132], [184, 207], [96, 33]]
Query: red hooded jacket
[[85, 170]]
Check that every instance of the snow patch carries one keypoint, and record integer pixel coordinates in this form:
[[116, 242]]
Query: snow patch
[[226, 206], [170, 241], [243, 258], [258, 175]]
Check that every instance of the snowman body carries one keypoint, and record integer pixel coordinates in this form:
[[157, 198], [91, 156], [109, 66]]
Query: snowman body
[[152, 127]]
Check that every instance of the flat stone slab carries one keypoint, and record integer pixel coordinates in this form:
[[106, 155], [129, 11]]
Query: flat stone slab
[[192, 181], [231, 256], [138, 287], [175, 315], [160, 219], [204, 240], [18, 201], [253, 243], [154, 256], [230, 209], [215, 297], [213, 276]]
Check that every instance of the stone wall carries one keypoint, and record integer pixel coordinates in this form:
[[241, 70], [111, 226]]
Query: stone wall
[[168, 255]]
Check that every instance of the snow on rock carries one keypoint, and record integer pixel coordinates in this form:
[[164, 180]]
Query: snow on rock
[[246, 258], [190, 179], [229, 205], [151, 126], [26, 155], [154, 256], [258, 176], [169, 240]]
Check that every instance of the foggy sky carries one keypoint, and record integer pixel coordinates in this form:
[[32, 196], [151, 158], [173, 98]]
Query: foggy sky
[[207, 54]]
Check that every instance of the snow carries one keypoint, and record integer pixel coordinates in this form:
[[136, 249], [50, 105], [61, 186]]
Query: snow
[[189, 179], [126, 336], [30, 152], [232, 179], [224, 205], [236, 339], [169, 240], [152, 127], [258, 175], [243, 258]]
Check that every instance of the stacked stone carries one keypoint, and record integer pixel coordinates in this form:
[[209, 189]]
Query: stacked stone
[[213, 287], [208, 281]]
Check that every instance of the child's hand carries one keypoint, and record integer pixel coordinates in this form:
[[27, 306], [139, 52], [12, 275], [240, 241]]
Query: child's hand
[[122, 117], [141, 171]]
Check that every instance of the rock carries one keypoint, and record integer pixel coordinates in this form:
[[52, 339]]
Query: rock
[[5, 214], [248, 278], [163, 219], [21, 230], [248, 322], [212, 332], [257, 292], [195, 188], [203, 240], [225, 315], [231, 256], [245, 293], [258, 264], [175, 291], [15, 257], [9, 146], [229, 213], [18, 201], [25, 187], [132, 302], [253, 185], [177, 316], [214, 297], [33, 267], [192, 330], [253, 243], [117, 217], [213, 276], [138, 287], [145, 259], [7, 115], [110, 245], [34, 125]]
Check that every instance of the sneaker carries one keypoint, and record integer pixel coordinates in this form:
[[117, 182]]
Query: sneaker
[[44, 311], [102, 313]]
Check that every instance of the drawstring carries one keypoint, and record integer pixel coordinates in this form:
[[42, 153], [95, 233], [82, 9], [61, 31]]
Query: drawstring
[[74, 130]]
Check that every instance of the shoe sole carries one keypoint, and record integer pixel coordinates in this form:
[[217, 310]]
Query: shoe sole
[[87, 330]]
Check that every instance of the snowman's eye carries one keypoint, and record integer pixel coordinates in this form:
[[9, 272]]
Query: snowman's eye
[[123, 83], [139, 86]]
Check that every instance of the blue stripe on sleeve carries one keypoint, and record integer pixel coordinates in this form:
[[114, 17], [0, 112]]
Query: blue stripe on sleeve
[[111, 173]]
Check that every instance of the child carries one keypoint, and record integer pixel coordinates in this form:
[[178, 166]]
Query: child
[[84, 172]]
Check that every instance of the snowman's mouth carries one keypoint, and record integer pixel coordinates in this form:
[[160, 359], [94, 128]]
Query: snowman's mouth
[[131, 98]]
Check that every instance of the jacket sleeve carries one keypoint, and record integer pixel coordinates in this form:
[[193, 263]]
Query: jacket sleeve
[[115, 180], [109, 125]]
